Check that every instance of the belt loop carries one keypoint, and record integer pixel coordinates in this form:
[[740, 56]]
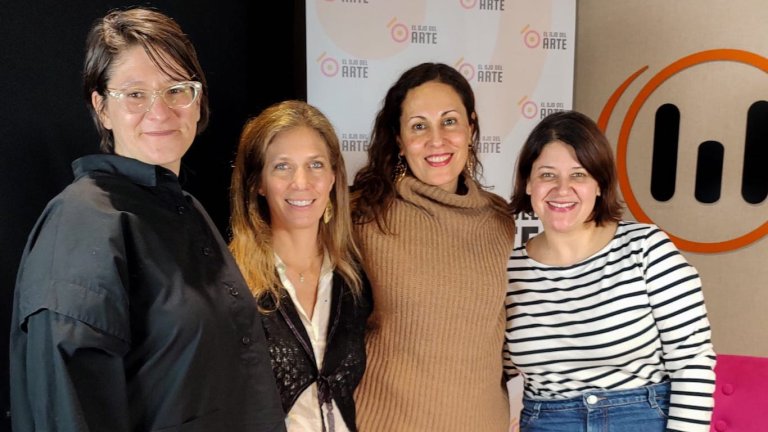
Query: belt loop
[[652, 396], [536, 409]]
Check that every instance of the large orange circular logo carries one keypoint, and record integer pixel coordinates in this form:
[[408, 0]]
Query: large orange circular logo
[[731, 55]]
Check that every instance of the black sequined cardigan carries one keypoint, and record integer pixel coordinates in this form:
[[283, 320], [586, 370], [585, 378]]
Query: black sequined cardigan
[[293, 360]]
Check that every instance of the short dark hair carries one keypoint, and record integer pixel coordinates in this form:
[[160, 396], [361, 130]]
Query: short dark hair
[[160, 37], [374, 186], [592, 150]]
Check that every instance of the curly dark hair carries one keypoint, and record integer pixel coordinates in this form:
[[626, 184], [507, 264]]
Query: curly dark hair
[[373, 190]]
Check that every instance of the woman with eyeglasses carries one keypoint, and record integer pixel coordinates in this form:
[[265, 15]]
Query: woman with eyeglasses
[[129, 312]]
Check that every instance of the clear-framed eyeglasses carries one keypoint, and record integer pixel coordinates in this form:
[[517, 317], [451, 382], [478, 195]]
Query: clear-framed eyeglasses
[[176, 96]]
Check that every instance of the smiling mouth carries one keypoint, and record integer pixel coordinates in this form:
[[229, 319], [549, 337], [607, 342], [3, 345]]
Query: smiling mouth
[[300, 203], [559, 205], [439, 160]]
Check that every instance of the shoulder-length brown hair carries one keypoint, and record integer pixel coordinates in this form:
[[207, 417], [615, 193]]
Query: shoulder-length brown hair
[[592, 150], [251, 232]]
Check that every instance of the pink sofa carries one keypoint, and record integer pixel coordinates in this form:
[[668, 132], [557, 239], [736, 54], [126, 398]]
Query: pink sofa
[[741, 394]]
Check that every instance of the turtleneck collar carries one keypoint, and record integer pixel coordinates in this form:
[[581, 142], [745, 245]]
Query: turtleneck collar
[[417, 192]]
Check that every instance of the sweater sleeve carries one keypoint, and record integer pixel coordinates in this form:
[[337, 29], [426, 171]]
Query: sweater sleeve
[[677, 303]]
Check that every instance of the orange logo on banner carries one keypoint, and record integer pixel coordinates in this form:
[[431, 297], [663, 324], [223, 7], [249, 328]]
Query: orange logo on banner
[[731, 55]]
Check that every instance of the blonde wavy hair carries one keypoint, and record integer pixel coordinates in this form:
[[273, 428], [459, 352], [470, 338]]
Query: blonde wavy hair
[[251, 242]]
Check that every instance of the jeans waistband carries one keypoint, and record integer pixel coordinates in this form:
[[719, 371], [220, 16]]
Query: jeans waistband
[[592, 399]]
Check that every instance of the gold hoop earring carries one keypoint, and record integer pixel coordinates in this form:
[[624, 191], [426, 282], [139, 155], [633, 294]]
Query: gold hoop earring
[[328, 213], [400, 169]]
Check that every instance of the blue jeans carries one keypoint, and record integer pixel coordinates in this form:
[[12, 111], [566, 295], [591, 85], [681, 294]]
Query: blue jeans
[[643, 409]]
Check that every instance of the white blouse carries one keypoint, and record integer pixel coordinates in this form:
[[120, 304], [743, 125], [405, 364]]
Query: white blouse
[[304, 415]]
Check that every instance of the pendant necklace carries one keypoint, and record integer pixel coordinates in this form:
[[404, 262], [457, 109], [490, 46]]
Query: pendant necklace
[[301, 273]]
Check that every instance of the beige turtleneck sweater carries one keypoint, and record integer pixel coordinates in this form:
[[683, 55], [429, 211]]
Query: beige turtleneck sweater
[[437, 330]]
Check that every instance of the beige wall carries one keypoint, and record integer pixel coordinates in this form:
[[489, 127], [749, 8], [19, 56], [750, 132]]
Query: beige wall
[[618, 37]]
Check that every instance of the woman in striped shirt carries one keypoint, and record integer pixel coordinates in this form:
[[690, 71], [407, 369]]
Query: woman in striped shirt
[[605, 318]]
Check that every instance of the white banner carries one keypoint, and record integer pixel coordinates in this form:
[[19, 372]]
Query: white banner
[[517, 55]]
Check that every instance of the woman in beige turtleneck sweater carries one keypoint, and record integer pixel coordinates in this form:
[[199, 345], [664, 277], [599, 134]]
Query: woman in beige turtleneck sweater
[[435, 247]]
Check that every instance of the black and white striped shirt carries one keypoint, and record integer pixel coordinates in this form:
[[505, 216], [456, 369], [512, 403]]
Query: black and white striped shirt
[[631, 315]]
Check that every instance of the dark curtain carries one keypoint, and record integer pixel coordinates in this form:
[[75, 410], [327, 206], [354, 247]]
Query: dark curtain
[[252, 52]]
